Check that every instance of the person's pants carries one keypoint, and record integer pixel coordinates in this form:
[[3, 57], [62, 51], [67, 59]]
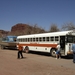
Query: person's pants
[[73, 57], [20, 54]]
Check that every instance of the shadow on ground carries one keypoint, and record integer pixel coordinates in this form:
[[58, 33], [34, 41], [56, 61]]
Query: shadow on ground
[[48, 55]]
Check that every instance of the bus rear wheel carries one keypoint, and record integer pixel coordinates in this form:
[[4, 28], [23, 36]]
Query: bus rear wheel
[[53, 53], [26, 50]]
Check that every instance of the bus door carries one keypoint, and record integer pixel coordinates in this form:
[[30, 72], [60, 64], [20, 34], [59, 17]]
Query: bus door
[[62, 42]]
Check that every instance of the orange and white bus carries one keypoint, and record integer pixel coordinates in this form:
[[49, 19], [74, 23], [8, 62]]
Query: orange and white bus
[[47, 42]]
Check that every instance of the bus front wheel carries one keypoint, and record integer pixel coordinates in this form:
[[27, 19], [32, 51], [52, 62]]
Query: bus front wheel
[[53, 52]]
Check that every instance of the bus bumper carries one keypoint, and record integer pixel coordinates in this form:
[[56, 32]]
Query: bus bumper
[[70, 52]]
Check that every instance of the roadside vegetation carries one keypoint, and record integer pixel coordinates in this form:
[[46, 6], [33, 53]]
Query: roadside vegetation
[[25, 29]]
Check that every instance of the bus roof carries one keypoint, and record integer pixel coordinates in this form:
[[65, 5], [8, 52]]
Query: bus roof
[[10, 36], [60, 33]]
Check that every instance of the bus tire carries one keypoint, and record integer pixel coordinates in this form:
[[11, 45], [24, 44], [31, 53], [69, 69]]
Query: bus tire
[[2, 47], [26, 50], [53, 52]]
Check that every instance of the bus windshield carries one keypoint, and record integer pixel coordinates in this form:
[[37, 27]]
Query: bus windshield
[[9, 38], [70, 39]]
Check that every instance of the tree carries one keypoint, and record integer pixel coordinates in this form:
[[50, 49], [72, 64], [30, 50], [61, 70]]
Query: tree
[[36, 29], [53, 28], [68, 26]]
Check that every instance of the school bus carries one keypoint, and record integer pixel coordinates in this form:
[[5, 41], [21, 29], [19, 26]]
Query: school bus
[[47, 42]]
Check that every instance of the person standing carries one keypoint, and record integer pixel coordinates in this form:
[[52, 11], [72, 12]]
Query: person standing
[[73, 48], [58, 51], [20, 52]]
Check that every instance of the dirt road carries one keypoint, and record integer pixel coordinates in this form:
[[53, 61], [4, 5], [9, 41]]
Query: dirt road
[[34, 64]]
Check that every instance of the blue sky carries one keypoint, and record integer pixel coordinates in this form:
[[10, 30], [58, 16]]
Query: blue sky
[[40, 12]]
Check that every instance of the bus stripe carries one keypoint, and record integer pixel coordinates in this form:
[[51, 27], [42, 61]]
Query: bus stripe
[[40, 45]]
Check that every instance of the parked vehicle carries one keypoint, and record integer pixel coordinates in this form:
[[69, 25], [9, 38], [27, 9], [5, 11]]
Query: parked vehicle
[[47, 42], [8, 42]]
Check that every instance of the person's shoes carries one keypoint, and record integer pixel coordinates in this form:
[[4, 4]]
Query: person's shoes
[[55, 58], [59, 57], [22, 57]]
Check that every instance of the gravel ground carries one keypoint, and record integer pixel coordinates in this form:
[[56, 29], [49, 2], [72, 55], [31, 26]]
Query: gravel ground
[[34, 64]]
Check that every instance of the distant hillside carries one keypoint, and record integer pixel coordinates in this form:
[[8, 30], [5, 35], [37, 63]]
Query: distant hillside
[[4, 33], [22, 29]]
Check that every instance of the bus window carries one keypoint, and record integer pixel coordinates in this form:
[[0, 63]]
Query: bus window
[[14, 39], [33, 39], [28, 39], [70, 39], [18, 40], [24, 40], [36, 39], [40, 39], [43, 38], [56, 38], [21, 39], [47, 38], [10, 39], [52, 38]]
